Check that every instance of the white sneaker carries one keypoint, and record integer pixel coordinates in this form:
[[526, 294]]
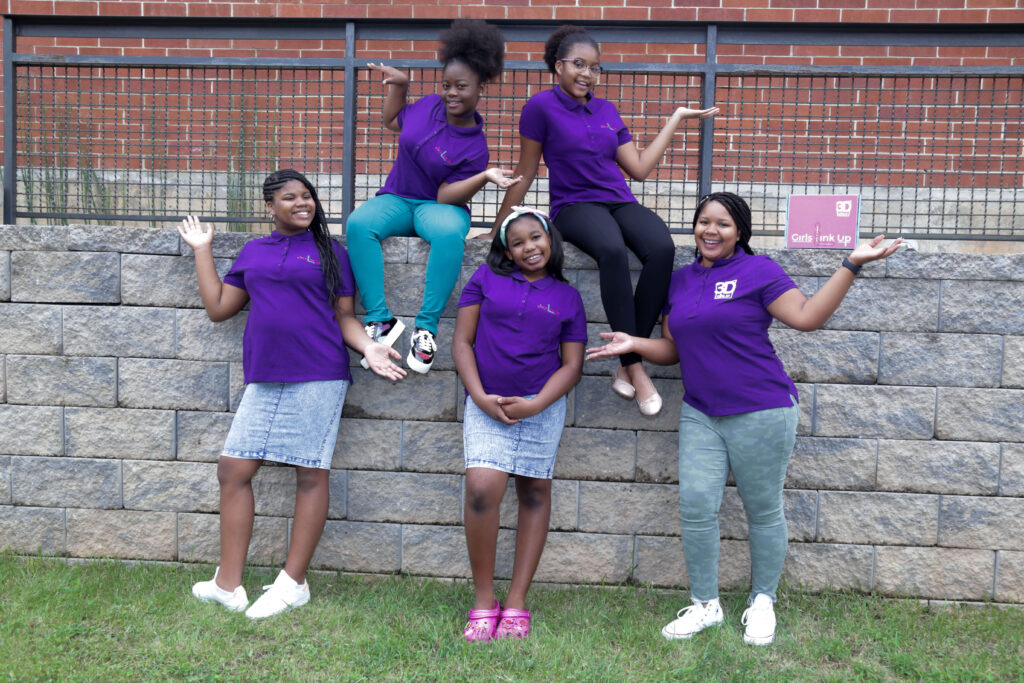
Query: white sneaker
[[283, 594], [209, 591], [759, 619], [694, 619]]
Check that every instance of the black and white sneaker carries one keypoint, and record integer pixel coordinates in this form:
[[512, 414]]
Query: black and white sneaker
[[386, 333], [421, 351]]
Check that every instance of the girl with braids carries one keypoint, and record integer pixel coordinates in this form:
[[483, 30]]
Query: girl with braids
[[441, 163], [739, 408], [299, 283], [586, 147]]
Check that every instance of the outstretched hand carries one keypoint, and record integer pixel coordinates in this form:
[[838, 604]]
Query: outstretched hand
[[379, 356], [194, 233], [620, 343], [687, 113], [392, 76], [501, 177], [870, 251]]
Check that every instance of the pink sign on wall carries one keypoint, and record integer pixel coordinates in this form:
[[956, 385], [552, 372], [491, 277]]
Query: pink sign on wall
[[825, 221]]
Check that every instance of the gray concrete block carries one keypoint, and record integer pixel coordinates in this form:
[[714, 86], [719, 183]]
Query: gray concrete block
[[368, 445], [982, 306], [800, 508], [657, 457], [614, 508], [1011, 471], [163, 280], [236, 385], [917, 265], [122, 239], [807, 395], [172, 384], [5, 480], [428, 397], [122, 533], [403, 290], [38, 238], [824, 463], [62, 482], [441, 551], [31, 430], [959, 360], [877, 304], [199, 338], [959, 467], [400, 249], [880, 518], [948, 573], [432, 447], [5, 276], [873, 411], [588, 283], [225, 245], [586, 558], [177, 486], [817, 262], [3, 378], [660, 561], [62, 380], [274, 489], [597, 454], [831, 356], [30, 328], [199, 539], [119, 433], [404, 497], [1013, 362], [597, 406], [119, 331], [359, 547], [1009, 577], [51, 277], [981, 522], [980, 415], [565, 497], [829, 566], [199, 436], [32, 529]]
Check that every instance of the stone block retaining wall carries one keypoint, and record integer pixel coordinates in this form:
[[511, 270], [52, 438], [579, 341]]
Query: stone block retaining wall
[[907, 479]]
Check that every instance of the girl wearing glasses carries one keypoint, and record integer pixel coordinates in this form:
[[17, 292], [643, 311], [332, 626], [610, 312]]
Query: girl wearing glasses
[[586, 147]]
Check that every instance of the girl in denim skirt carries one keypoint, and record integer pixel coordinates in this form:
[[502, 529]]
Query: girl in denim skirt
[[298, 283], [518, 347]]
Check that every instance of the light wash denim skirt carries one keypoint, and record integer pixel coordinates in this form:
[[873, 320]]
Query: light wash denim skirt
[[295, 423], [526, 448]]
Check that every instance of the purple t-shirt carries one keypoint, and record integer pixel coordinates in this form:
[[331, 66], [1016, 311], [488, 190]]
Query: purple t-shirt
[[719, 320], [431, 151], [580, 142], [521, 326], [291, 334]]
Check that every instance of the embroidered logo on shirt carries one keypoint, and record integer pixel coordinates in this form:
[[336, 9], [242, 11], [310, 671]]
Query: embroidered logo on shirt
[[547, 309], [608, 126], [442, 152], [308, 259], [725, 290]]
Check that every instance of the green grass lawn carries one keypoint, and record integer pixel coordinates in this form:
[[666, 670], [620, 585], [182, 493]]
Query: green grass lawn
[[111, 621]]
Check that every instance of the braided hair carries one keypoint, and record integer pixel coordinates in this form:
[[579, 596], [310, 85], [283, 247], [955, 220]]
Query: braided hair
[[738, 210], [562, 40], [476, 44], [321, 235]]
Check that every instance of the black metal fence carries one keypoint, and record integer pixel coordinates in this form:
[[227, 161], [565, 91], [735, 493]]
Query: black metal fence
[[934, 152]]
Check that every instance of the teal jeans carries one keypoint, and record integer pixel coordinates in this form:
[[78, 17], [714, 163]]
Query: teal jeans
[[756, 446], [443, 226]]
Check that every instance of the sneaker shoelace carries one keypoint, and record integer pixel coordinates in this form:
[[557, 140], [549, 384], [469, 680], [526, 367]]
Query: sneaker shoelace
[[425, 341]]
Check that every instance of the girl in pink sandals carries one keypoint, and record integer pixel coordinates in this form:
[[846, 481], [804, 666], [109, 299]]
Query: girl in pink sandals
[[518, 347]]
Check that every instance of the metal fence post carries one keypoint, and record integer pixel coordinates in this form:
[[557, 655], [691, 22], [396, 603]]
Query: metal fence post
[[10, 129], [348, 153], [707, 126]]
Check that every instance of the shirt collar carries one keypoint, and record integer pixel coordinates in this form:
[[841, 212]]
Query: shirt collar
[[542, 283], [306, 236], [737, 255], [571, 103], [441, 117]]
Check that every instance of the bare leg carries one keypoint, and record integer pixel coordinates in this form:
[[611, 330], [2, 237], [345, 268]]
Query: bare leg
[[312, 496], [237, 509], [534, 516], [484, 491]]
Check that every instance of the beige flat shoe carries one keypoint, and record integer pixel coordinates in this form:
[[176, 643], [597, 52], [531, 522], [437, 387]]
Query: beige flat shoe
[[621, 386], [651, 405]]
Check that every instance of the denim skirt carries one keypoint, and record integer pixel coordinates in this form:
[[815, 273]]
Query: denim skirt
[[526, 448], [295, 423]]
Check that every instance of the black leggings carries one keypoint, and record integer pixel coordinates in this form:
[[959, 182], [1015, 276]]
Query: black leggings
[[604, 231]]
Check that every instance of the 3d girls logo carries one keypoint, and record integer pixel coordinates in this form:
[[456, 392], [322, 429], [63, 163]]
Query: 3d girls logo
[[443, 153], [725, 290], [547, 309], [308, 259]]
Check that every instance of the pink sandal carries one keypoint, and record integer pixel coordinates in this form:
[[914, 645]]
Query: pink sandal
[[482, 623], [514, 623]]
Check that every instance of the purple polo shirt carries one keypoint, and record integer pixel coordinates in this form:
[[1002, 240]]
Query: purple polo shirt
[[719, 319], [521, 326], [431, 151], [291, 334], [580, 142]]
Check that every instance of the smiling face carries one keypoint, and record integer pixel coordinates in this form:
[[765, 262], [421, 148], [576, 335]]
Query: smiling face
[[716, 233], [292, 208], [461, 90], [529, 247], [575, 82]]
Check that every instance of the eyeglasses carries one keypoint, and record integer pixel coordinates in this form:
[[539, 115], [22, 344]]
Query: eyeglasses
[[581, 65]]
